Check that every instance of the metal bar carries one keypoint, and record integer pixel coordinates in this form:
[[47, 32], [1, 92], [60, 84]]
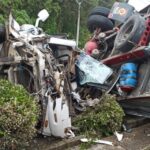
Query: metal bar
[[121, 58]]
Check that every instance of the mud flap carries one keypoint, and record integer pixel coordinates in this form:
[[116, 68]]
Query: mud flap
[[59, 122], [46, 126]]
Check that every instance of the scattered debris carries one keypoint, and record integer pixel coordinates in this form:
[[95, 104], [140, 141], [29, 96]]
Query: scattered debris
[[93, 102], [129, 130], [119, 136], [97, 141]]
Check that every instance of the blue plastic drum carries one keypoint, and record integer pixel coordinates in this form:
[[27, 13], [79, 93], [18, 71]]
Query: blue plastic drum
[[128, 77]]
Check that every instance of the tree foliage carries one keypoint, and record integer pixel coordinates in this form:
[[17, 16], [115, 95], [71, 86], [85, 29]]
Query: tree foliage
[[63, 14]]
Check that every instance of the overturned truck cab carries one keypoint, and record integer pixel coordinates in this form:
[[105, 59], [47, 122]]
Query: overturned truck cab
[[28, 58]]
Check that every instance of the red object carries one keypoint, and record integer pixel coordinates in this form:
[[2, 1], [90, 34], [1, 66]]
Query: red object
[[146, 35], [122, 58], [126, 88], [90, 46]]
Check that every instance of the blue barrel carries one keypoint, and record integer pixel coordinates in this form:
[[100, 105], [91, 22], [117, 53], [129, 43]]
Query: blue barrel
[[128, 77]]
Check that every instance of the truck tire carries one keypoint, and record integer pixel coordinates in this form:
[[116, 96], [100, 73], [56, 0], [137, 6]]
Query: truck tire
[[98, 21], [2, 33], [103, 11], [130, 33]]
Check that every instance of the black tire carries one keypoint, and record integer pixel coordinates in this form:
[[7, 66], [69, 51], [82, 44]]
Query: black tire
[[97, 21], [130, 33], [103, 11], [2, 33]]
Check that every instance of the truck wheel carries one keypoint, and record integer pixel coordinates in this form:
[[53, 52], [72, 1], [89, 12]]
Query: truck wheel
[[98, 21], [130, 33], [2, 33], [103, 11]]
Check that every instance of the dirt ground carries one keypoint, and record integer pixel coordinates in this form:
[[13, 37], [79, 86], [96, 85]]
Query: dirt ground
[[138, 139]]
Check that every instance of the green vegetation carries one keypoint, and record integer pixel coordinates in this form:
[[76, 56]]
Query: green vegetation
[[63, 14], [101, 120], [18, 116], [86, 145]]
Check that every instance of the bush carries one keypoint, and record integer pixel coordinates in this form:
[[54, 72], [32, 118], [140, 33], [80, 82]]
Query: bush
[[102, 120], [18, 116]]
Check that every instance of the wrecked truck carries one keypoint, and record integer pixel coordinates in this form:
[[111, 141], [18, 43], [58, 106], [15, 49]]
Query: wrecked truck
[[120, 39], [62, 76], [28, 58]]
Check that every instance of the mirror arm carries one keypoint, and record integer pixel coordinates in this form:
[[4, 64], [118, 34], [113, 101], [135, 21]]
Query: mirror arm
[[37, 22]]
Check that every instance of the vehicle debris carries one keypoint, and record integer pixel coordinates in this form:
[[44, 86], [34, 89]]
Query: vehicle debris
[[67, 80], [97, 141], [119, 136], [92, 70], [28, 53], [127, 43]]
